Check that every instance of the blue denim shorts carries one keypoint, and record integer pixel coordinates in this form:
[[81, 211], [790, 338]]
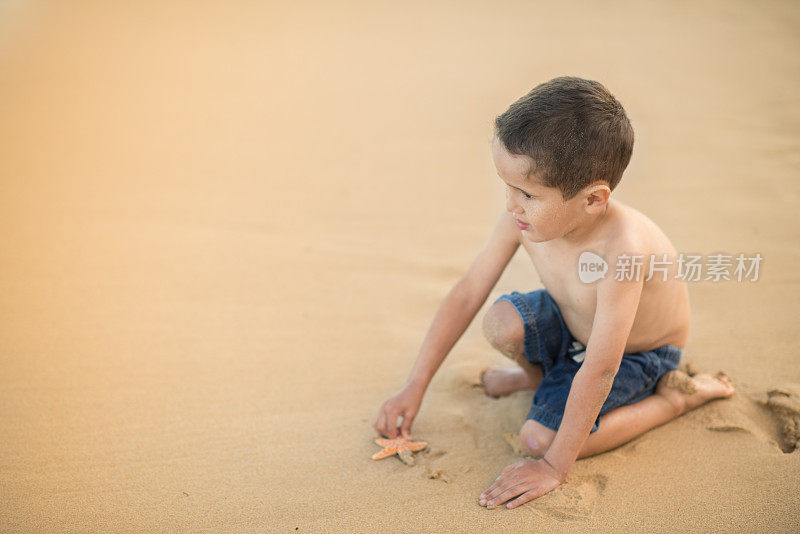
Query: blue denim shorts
[[549, 343]]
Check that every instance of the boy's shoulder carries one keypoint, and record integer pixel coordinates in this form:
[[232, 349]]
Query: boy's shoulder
[[626, 230]]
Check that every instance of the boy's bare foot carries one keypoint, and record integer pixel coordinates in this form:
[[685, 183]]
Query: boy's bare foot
[[502, 381], [688, 392]]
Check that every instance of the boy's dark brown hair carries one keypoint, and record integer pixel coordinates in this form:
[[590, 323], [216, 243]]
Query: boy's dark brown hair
[[575, 131]]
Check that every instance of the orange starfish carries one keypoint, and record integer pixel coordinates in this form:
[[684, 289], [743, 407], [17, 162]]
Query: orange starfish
[[399, 446]]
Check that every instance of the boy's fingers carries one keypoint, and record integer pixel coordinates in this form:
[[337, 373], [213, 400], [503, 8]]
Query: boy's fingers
[[496, 489], [376, 422], [489, 493], [406, 428], [525, 497], [391, 425], [502, 485], [382, 424], [505, 494]]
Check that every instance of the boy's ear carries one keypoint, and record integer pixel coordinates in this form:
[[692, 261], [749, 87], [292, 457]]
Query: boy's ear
[[597, 197]]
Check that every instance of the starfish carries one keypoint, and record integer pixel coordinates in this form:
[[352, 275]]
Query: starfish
[[399, 446]]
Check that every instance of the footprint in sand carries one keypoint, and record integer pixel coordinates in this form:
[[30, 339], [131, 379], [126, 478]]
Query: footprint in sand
[[575, 500], [773, 415], [784, 405]]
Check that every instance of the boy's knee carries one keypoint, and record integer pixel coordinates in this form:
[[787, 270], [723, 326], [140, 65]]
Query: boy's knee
[[535, 439], [503, 328]]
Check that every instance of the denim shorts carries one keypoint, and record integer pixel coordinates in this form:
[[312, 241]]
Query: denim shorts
[[549, 343]]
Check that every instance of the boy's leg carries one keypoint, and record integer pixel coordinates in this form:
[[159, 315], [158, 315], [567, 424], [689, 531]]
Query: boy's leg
[[503, 328], [676, 394]]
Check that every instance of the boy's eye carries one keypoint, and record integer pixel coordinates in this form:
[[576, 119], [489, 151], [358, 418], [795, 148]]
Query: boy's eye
[[523, 193]]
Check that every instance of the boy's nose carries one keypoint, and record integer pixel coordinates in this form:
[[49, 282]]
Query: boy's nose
[[512, 206]]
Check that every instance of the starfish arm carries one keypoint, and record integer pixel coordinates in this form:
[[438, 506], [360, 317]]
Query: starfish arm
[[417, 446], [384, 442], [388, 451], [406, 455]]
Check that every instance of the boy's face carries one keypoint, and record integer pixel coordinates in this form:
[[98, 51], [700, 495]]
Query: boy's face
[[545, 212]]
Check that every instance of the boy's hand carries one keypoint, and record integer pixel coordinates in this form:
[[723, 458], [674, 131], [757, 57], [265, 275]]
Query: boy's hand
[[406, 403], [526, 480]]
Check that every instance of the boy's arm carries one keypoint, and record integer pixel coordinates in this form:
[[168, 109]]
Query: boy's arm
[[465, 299], [451, 320], [617, 303]]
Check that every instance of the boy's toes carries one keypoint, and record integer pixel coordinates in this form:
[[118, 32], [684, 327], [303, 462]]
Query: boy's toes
[[725, 379], [723, 376]]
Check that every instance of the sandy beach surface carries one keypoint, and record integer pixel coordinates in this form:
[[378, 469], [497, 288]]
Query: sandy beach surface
[[226, 226]]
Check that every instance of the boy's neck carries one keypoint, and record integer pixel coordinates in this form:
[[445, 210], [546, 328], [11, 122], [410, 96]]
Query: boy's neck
[[585, 231]]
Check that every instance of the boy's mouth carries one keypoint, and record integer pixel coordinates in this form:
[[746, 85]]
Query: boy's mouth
[[522, 225]]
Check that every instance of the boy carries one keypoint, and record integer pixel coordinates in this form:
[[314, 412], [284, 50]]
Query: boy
[[595, 352]]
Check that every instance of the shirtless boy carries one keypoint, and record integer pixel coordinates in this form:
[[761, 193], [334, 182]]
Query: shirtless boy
[[602, 357]]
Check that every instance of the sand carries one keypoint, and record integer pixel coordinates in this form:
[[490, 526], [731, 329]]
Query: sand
[[225, 228]]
